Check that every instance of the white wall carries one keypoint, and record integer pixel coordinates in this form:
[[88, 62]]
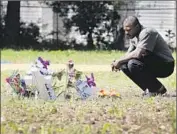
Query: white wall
[[160, 15]]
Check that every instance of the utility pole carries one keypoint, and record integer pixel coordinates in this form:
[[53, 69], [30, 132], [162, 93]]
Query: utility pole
[[1, 10], [57, 27], [176, 23]]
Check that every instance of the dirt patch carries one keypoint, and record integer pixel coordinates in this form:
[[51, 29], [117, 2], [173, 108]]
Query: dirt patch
[[21, 67]]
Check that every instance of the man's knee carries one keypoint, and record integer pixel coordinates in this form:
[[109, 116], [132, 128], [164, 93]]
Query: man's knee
[[124, 67], [135, 65]]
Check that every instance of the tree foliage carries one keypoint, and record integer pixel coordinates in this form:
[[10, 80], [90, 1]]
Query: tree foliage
[[29, 36], [91, 18], [16, 34]]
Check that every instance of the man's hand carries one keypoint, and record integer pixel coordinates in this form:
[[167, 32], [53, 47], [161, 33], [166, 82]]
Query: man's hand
[[115, 65]]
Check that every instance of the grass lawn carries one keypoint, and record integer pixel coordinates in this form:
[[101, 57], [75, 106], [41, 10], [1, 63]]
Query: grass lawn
[[130, 115], [60, 57]]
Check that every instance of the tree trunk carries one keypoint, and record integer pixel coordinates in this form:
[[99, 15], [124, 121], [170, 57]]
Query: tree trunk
[[90, 45], [1, 26], [12, 22]]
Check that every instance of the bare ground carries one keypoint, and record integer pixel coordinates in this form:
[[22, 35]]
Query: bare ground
[[22, 67]]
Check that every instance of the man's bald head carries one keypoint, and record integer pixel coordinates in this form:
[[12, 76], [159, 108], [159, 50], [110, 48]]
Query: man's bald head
[[131, 20], [131, 26]]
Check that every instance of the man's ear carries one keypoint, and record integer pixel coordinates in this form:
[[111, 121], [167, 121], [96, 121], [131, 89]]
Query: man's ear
[[137, 28]]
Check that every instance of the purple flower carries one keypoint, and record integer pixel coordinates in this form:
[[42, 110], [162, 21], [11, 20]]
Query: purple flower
[[91, 80], [44, 63]]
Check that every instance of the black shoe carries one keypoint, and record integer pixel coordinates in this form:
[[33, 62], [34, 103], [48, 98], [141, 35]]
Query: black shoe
[[146, 93], [162, 90], [153, 94]]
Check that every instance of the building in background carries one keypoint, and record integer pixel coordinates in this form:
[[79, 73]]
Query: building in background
[[160, 15], [38, 13]]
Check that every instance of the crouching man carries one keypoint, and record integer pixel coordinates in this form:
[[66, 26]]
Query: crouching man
[[147, 59]]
